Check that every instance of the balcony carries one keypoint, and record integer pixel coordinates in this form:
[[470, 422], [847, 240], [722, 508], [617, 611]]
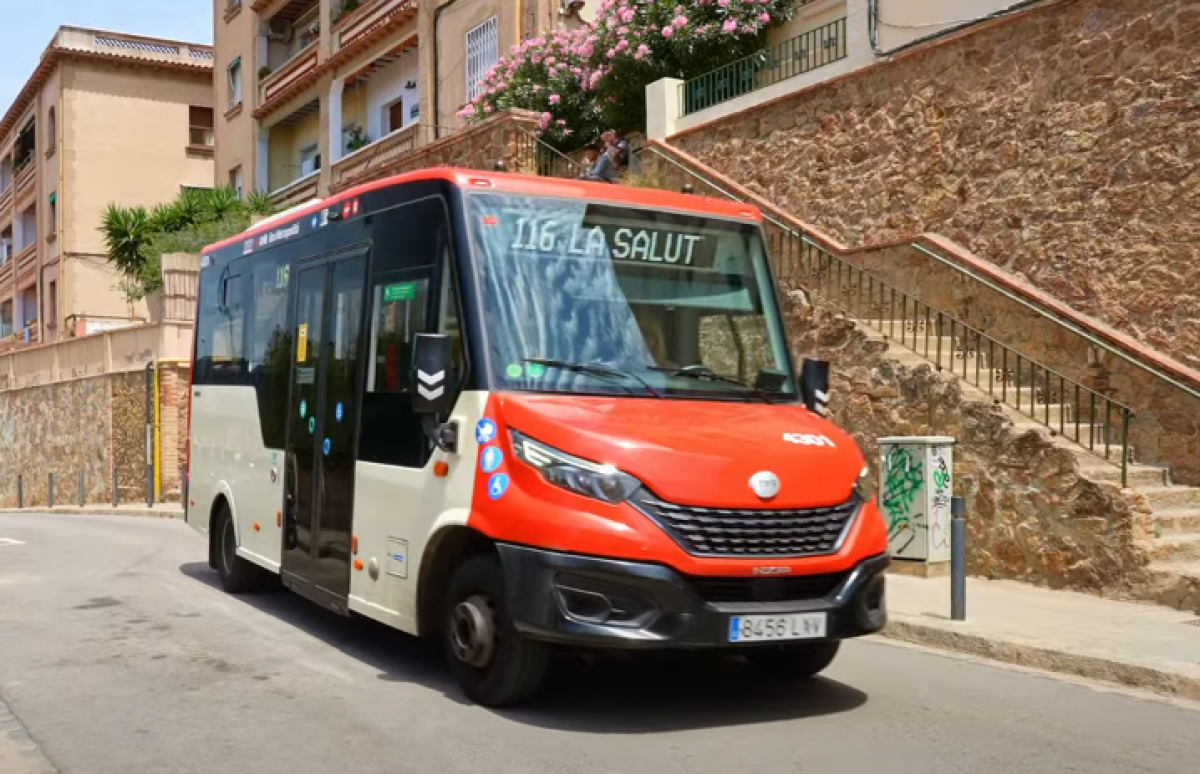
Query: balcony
[[295, 75], [26, 171], [7, 275], [297, 191], [369, 22], [378, 155], [6, 200], [25, 261], [791, 58]]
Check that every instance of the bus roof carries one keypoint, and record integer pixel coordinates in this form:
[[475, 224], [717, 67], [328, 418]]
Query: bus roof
[[515, 183]]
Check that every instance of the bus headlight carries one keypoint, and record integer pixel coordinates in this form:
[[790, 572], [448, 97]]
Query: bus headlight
[[862, 487], [581, 477]]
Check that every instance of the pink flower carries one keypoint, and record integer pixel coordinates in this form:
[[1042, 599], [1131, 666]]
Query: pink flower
[[555, 99], [748, 29], [680, 21], [627, 15], [641, 52], [723, 3], [729, 26], [764, 17], [667, 32], [536, 88]]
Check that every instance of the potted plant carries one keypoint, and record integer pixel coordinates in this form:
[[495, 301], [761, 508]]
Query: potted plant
[[263, 72], [357, 138]]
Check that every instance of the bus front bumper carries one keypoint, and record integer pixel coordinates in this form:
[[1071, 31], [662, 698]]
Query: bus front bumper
[[616, 604]]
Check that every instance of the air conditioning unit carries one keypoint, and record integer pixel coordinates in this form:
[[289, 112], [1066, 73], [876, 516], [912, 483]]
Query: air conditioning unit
[[280, 31]]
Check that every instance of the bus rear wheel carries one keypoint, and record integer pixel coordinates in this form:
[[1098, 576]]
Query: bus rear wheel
[[237, 575], [495, 665]]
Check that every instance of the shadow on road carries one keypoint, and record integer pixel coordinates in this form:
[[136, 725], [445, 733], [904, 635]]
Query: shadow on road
[[643, 695]]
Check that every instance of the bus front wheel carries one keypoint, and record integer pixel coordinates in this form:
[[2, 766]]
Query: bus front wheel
[[493, 663]]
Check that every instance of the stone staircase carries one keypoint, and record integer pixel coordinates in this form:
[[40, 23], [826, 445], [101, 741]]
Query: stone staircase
[[1173, 544]]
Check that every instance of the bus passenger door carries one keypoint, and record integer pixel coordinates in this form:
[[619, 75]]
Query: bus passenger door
[[323, 428]]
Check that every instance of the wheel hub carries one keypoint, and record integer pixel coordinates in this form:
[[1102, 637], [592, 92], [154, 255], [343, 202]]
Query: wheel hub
[[473, 631]]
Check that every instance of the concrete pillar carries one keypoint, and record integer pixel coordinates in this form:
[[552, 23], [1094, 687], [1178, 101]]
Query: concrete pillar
[[335, 120], [262, 159], [662, 108]]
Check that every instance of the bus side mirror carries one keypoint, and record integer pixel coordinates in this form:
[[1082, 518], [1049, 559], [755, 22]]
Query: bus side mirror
[[814, 386], [431, 374]]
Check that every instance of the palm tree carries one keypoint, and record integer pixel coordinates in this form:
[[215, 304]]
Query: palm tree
[[126, 230]]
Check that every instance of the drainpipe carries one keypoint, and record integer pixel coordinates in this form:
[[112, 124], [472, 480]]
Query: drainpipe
[[873, 25], [437, 106]]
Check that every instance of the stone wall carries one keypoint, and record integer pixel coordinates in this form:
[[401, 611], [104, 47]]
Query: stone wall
[[89, 426], [1061, 144], [1032, 516]]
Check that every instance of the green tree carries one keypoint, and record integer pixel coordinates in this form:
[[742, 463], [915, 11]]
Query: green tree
[[136, 238]]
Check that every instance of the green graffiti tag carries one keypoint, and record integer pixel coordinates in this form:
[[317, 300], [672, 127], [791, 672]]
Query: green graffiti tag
[[900, 487]]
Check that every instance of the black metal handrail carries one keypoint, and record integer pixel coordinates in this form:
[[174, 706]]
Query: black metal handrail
[[536, 156], [795, 56], [1067, 408]]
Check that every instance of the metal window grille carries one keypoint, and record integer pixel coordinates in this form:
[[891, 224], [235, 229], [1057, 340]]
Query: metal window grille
[[483, 51]]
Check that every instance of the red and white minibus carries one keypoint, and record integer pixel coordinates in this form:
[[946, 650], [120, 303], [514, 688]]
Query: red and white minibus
[[521, 413]]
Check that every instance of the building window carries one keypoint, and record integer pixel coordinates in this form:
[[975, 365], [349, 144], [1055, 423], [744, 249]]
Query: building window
[[235, 82], [53, 214], [483, 51], [51, 131], [200, 127], [310, 160], [235, 180], [50, 305]]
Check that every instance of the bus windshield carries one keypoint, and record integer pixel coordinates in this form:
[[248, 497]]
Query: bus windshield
[[592, 298]]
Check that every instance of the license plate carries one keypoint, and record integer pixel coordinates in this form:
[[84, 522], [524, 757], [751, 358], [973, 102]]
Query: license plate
[[761, 628]]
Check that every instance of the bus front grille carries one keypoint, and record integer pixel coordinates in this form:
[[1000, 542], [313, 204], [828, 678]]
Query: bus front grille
[[751, 533]]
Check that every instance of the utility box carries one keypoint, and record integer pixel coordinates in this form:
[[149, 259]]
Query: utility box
[[916, 482]]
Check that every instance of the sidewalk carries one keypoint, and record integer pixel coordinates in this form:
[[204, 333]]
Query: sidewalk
[[1142, 646], [159, 511]]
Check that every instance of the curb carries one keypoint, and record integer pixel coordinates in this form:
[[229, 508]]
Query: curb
[[1047, 659], [100, 510]]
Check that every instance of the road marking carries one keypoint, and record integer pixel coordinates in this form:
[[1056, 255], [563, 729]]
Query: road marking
[[10, 542]]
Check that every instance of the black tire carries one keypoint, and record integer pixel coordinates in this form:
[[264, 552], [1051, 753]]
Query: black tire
[[800, 661], [513, 668], [238, 576]]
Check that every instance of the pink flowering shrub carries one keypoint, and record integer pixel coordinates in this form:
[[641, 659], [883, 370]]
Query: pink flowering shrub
[[584, 81]]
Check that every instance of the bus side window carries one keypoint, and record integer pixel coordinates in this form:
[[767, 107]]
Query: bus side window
[[391, 432], [221, 344]]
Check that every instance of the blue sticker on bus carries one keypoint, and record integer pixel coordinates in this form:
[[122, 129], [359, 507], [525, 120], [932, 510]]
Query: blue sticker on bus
[[491, 459], [485, 431], [497, 486], [338, 412], [327, 447]]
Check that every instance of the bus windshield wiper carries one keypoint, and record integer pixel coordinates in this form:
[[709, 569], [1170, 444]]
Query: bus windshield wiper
[[707, 374], [594, 370]]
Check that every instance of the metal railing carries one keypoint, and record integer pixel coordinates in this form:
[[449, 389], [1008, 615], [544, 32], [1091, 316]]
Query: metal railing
[[804, 53], [534, 156], [1067, 408]]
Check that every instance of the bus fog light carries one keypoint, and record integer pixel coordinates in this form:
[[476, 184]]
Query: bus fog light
[[588, 601]]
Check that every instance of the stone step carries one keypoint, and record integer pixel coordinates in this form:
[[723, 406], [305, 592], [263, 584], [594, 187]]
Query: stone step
[[1177, 521], [1136, 476], [1175, 584], [1089, 437], [1174, 547], [1171, 497]]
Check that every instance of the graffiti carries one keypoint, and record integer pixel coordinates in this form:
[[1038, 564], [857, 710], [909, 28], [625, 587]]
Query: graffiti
[[903, 479], [939, 502]]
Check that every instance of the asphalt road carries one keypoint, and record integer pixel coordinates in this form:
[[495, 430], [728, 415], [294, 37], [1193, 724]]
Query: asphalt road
[[119, 655]]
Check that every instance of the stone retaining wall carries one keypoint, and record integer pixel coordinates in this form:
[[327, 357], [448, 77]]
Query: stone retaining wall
[[1032, 516], [1062, 144]]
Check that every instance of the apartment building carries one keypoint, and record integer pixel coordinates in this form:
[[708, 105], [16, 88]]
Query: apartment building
[[315, 93], [105, 117]]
